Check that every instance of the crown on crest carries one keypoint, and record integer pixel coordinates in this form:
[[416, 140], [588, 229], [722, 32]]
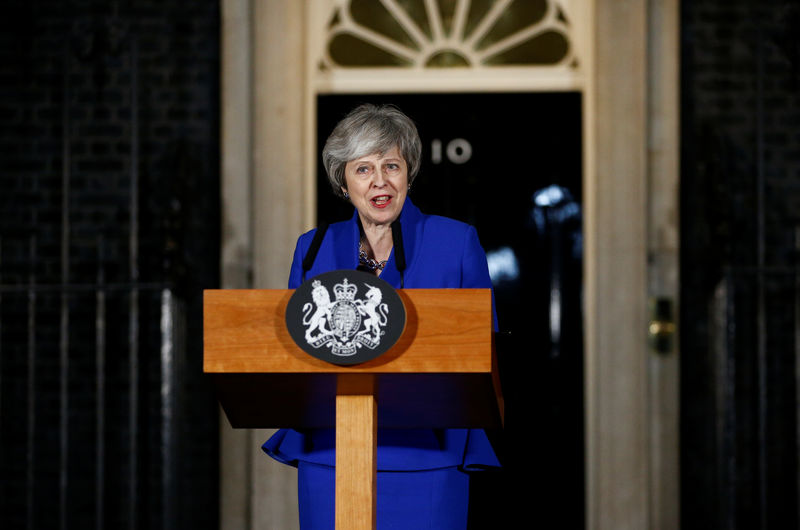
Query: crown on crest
[[345, 291]]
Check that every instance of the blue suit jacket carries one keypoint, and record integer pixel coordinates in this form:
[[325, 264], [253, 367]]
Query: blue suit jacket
[[440, 253]]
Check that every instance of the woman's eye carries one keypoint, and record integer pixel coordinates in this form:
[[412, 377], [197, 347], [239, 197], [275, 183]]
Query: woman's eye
[[392, 166], [362, 169]]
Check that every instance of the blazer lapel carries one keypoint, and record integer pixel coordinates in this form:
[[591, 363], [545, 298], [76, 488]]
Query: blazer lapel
[[345, 247], [390, 273], [410, 219]]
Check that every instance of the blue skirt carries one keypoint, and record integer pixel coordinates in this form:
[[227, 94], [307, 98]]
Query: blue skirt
[[422, 475], [435, 499]]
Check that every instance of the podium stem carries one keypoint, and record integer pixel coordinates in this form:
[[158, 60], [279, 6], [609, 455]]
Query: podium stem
[[356, 451]]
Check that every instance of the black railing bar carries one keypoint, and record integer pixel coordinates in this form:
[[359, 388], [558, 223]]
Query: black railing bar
[[64, 331], [30, 450], [761, 316], [1, 339], [797, 366], [100, 411], [168, 390], [84, 287], [133, 406], [133, 246], [730, 448], [719, 331]]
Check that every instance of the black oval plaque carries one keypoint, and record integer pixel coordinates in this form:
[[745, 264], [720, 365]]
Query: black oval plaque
[[345, 316]]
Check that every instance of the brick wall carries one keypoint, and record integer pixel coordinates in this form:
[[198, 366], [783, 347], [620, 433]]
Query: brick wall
[[739, 220], [108, 142]]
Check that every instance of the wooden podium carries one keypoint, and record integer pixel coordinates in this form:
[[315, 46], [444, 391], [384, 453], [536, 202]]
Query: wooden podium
[[442, 373]]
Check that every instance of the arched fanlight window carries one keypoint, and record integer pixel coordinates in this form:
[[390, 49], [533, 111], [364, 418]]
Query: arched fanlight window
[[425, 34]]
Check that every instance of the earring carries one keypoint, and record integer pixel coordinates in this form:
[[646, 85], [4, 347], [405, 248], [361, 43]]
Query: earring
[[346, 195], [409, 187]]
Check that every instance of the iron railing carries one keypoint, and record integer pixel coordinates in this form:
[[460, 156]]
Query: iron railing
[[89, 393]]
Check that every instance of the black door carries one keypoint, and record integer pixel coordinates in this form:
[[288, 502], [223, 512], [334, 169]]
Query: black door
[[510, 164]]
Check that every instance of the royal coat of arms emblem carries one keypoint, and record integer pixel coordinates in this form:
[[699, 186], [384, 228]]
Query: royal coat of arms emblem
[[352, 324]]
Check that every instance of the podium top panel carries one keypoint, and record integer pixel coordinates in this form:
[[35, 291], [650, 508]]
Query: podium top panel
[[447, 331]]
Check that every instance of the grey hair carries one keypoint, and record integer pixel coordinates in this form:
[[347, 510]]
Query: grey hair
[[366, 130]]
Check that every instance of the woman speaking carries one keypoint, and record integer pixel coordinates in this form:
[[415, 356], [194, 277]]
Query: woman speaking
[[372, 158]]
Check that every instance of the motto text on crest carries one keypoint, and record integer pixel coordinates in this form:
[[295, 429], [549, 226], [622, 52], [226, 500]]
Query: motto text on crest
[[347, 323]]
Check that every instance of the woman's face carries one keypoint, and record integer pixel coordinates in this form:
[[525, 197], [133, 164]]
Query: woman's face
[[378, 185]]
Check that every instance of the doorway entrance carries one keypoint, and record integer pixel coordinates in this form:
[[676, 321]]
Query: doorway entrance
[[510, 164]]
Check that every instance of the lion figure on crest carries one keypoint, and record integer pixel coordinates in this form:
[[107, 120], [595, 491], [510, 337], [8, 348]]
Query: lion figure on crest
[[322, 298]]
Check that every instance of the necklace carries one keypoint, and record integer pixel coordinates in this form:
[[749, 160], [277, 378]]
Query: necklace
[[370, 263]]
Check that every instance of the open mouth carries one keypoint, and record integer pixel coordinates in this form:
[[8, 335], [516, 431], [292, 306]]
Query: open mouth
[[381, 201]]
